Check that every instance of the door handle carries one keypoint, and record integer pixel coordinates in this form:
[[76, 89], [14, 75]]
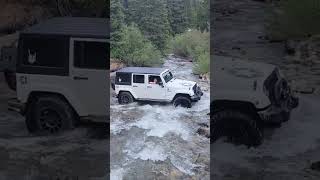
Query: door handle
[[149, 87], [80, 78], [134, 86]]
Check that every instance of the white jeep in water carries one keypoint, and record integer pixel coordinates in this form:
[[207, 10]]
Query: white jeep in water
[[62, 73], [246, 97], [154, 84]]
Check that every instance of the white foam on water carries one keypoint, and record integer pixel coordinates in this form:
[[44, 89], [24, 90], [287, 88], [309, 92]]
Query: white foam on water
[[118, 125], [145, 151], [167, 130], [162, 120], [117, 174]]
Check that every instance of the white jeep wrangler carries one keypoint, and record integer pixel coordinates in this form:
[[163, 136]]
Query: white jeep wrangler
[[246, 97], [61, 73], [154, 84]]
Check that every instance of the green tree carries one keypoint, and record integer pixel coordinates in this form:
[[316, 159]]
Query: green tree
[[117, 25], [151, 16], [136, 50], [177, 16]]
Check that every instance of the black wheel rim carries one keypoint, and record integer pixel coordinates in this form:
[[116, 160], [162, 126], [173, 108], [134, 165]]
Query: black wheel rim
[[50, 120], [125, 99]]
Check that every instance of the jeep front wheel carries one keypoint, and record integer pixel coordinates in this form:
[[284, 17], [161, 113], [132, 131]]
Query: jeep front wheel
[[238, 127], [182, 101], [49, 115], [125, 98]]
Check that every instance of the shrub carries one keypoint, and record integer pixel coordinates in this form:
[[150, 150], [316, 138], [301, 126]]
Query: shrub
[[193, 44], [295, 19], [134, 49], [202, 65]]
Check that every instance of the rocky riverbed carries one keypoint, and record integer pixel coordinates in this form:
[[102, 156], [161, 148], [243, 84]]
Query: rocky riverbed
[[158, 141], [288, 152]]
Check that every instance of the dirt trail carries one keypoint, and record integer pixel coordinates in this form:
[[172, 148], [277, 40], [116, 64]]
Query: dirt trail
[[287, 152]]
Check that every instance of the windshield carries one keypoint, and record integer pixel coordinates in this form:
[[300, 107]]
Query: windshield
[[167, 76]]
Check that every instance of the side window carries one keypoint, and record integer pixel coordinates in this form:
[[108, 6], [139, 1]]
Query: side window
[[45, 52], [138, 79], [123, 78], [154, 79], [91, 55]]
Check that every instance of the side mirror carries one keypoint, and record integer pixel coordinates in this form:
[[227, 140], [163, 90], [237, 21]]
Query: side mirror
[[161, 84]]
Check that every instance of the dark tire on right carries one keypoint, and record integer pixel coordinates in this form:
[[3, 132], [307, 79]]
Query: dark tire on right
[[182, 101], [125, 98], [239, 127], [49, 115]]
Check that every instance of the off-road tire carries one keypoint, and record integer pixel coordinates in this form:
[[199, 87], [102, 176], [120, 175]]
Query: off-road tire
[[49, 115], [125, 98], [182, 101], [239, 127], [10, 78]]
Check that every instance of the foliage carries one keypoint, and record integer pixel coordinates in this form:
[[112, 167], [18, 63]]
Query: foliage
[[177, 16], [117, 23], [193, 44], [135, 50], [87, 8], [152, 19], [295, 19], [202, 65]]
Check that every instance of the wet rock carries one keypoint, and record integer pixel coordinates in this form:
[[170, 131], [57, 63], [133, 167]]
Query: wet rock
[[114, 66], [204, 132], [306, 52], [203, 125]]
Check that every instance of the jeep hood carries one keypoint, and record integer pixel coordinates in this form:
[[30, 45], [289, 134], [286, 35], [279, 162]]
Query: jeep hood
[[180, 83], [241, 80]]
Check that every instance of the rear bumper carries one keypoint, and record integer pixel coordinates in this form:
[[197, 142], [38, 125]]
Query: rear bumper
[[15, 105]]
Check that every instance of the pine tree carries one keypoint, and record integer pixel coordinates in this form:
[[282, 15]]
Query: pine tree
[[117, 24], [177, 16], [151, 16]]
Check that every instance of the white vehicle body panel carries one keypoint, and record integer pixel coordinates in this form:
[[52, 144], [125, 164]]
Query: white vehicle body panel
[[238, 80], [156, 92], [87, 95]]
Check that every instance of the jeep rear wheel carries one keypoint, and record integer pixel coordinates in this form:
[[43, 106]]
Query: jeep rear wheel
[[49, 115], [182, 101], [239, 127], [125, 98]]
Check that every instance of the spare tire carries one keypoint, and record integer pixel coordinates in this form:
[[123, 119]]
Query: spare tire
[[239, 127], [10, 78]]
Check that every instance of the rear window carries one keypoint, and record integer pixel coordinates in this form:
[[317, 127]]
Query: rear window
[[138, 79], [43, 54], [45, 51], [123, 78]]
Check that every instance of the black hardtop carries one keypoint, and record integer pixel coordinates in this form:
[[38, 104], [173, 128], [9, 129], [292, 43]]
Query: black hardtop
[[83, 27], [142, 70]]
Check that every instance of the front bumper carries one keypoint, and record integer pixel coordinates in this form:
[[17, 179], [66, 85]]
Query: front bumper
[[197, 94], [277, 114]]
